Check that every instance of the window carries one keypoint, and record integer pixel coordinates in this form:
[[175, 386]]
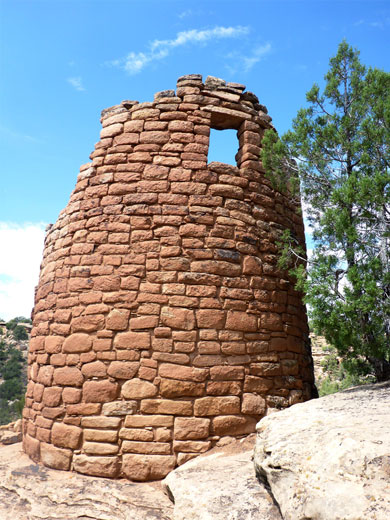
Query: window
[[223, 146]]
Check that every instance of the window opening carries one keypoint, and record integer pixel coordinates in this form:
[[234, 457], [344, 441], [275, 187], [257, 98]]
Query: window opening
[[223, 146]]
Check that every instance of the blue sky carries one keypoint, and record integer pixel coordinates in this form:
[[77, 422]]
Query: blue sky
[[63, 61]]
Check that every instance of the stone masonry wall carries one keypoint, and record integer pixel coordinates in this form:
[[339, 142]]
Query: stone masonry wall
[[161, 321]]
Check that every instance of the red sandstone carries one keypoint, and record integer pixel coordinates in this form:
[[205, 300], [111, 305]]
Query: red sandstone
[[161, 320]]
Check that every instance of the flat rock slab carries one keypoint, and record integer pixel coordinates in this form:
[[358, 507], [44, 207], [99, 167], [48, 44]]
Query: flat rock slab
[[30, 491], [329, 458], [220, 485]]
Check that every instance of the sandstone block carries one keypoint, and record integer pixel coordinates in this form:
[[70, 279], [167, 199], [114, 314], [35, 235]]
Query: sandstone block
[[53, 344], [241, 321], [162, 344], [162, 435], [94, 369], [88, 323], [100, 422], [191, 446], [32, 447], [69, 376], [183, 373], [71, 395], [45, 375], [178, 318], [56, 458], [253, 404], [216, 406], [271, 321], [111, 130], [154, 137], [118, 319], [227, 373], [83, 409], [37, 343], [210, 319], [224, 388], [187, 428], [268, 369], [216, 267], [171, 388], [138, 389], [102, 344], [52, 396], [100, 435], [233, 425], [96, 466], [123, 369], [100, 448], [252, 265], [136, 434], [166, 406], [99, 391], [147, 467], [259, 385], [42, 434], [78, 342], [52, 412], [141, 421], [209, 347], [119, 408], [145, 114], [144, 322], [155, 448], [132, 340], [65, 436]]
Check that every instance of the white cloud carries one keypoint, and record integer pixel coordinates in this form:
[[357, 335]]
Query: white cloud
[[245, 62], [76, 83], [376, 24], [257, 55], [21, 255], [18, 135], [158, 49], [185, 14]]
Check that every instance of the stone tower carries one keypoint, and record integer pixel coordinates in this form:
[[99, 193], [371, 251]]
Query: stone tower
[[161, 320]]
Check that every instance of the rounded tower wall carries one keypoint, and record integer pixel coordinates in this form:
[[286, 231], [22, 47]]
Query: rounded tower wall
[[162, 322]]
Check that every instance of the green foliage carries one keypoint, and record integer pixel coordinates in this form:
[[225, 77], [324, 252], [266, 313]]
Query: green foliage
[[12, 324], [339, 376], [12, 387], [20, 333], [338, 156]]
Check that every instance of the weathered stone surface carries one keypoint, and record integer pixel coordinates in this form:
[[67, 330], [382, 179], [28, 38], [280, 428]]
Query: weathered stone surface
[[138, 389], [253, 404], [216, 405], [10, 437], [119, 408], [178, 318], [78, 342], [99, 391], [56, 458], [191, 428], [99, 466], [233, 425], [329, 458], [32, 492], [65, 435], [220, 485], [147, 467]]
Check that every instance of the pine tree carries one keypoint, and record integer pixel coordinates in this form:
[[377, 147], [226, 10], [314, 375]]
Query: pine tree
[[337, 155]]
